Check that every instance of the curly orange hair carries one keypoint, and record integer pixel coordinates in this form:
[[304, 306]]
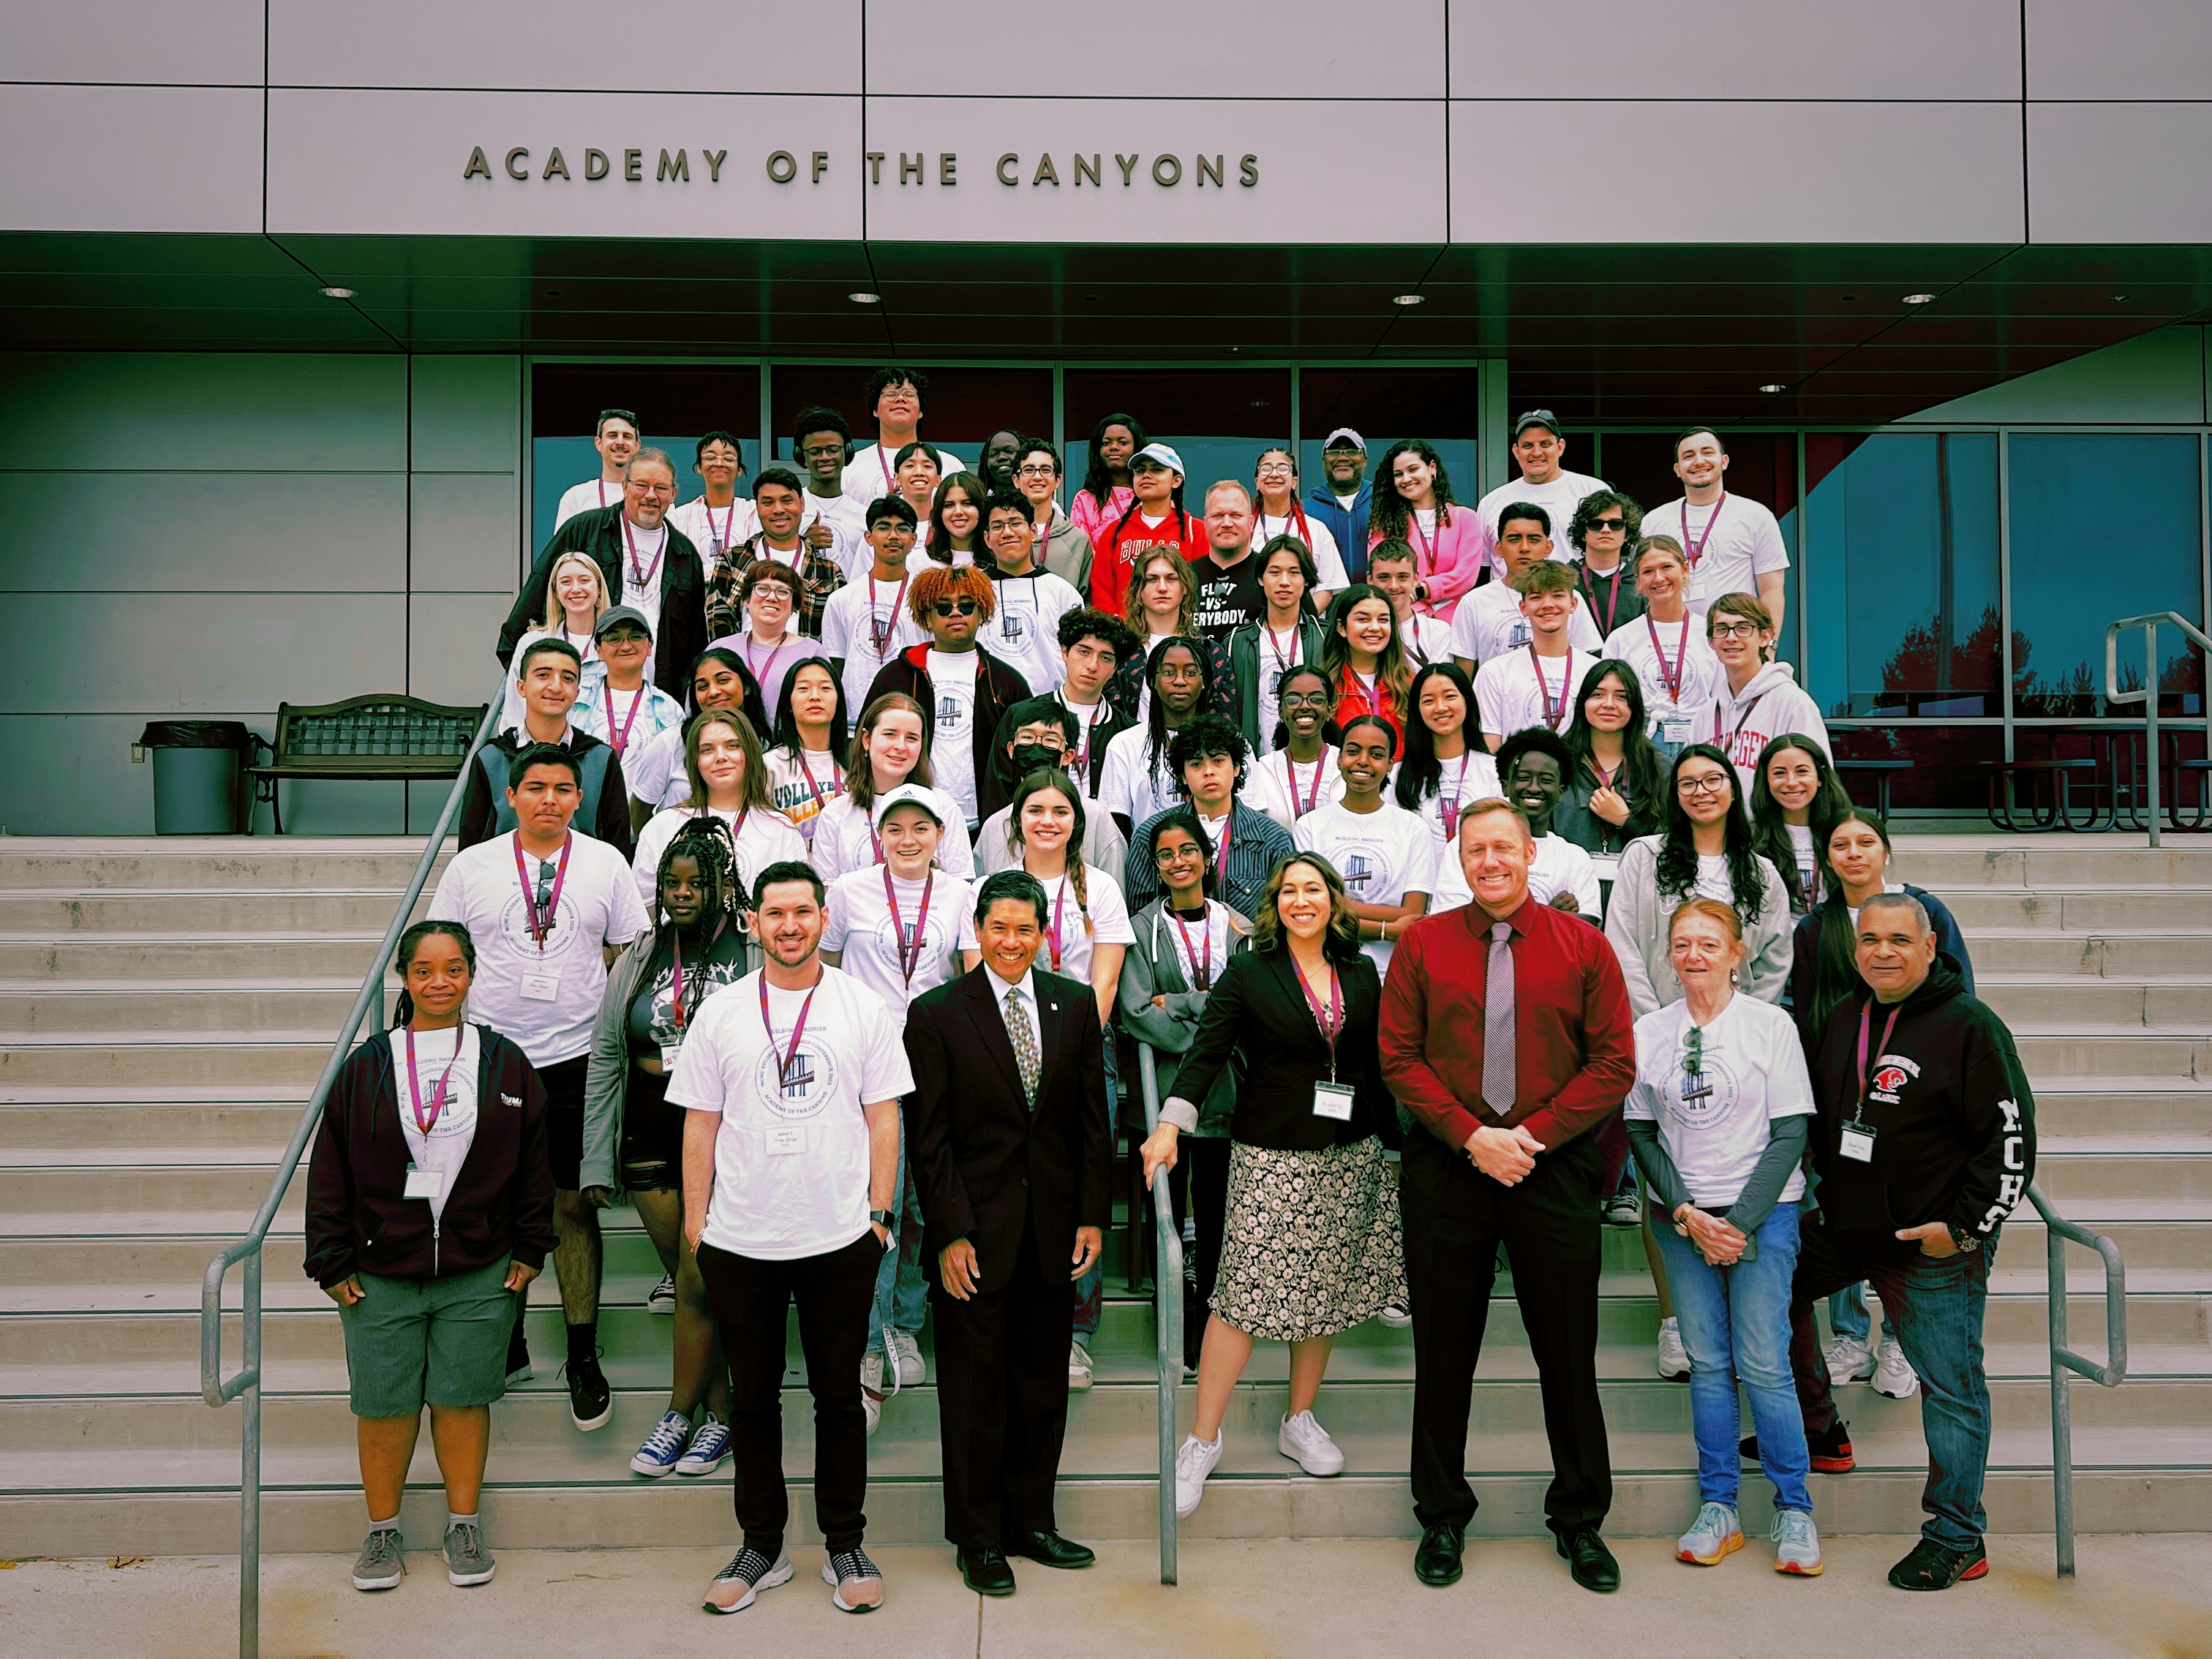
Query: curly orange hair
[[955, 581]]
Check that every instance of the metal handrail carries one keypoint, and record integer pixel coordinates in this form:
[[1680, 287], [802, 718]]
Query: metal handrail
[[214, 1387], [1167, 1295], [2148, 694], [2057, 1230]]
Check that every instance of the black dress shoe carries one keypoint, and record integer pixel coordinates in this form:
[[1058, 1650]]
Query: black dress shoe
[[1050, 1549], [1436, 1560], [986, 1572], [1589, 1562]]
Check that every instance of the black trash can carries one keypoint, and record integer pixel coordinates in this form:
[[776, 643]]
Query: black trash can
[[196, 774]]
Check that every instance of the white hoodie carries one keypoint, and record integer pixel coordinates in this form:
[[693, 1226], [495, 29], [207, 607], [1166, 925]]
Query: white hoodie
[[1741, 724]]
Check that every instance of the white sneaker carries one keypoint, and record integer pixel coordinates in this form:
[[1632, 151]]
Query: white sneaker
[[1306, 1444], [1195, 1461], [1714, 1536], [1079, 1367], [1894, 1377], [1796, 1544], [661, 1298], [1850, 1360], [872, 1389], [1673, 1359], [1395, 1314], [907, 1350]]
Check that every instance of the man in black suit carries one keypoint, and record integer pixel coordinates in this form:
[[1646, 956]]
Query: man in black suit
[[1008, 1134]]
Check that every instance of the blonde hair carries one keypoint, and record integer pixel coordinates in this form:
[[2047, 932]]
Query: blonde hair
[[1133, 602], [753, 782], [557, 619]]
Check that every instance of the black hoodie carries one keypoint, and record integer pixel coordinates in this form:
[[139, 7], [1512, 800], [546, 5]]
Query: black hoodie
[[1954, 1122]]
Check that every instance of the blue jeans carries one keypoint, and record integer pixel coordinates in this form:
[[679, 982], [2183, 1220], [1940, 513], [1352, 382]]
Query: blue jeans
[[901, 1287], [1848, 1314], [1736, 1323], [1933, 1306]]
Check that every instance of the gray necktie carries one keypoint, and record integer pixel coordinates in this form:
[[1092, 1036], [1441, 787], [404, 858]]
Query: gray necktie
[[1499, 1062], [1025, 1044]]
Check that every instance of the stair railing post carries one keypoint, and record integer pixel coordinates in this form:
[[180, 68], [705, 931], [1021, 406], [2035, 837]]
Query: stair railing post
[[2062, 1421]]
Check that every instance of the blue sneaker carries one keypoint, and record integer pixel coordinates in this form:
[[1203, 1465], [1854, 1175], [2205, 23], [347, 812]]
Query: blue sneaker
[[663, 1449], [709, 1448]]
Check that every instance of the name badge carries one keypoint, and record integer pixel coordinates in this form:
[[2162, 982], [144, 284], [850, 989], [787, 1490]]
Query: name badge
[[1608, 866], [668, 1053], [785, 1140], [1333, 1100], [423, 1183], [1678, 731], [1856, 1143], [540, 987]]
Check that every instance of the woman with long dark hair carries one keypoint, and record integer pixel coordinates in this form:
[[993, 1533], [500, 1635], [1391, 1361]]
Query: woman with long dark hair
[[1106, 495], [803, 773], [729, 781], [1137, 780], [954, 532], [1618, 787], [1364, 659], [891, 747], [1300, 772], [1414, 503], [1795, 796]]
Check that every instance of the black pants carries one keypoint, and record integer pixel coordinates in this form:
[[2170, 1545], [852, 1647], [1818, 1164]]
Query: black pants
[[750, 1298], [1455, 1218], [1002, 1400], [1198, 1187]]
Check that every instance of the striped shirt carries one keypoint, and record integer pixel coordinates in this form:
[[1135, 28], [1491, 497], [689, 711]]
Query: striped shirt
[[1256, 844]]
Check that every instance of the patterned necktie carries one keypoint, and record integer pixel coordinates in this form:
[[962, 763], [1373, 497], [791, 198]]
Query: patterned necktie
[[1499, 1059], [1023, 1035]]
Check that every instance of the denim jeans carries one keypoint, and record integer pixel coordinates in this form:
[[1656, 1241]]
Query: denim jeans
[[1848, 1314], [901, 1286], [1933, 1306], [1735, 1324]]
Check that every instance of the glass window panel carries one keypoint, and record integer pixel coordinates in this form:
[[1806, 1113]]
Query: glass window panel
[[1946, 770], [1442, 405], [674, 404], [1900, 583], [1217, 420], [961, 408], [2104, 526]]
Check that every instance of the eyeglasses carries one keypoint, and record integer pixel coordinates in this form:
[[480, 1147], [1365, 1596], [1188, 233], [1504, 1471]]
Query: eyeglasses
[[1713, 784], [1034, 471], [956, 607], [1693, 1053], [771, 591], [1608, 524], [1275, 470], [1178, 855], [1742, 630], [1308, 700], [894, 530], [644, 488], [814, 452]]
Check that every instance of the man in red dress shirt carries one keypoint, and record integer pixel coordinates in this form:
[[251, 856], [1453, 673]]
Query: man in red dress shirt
[[1506, 1031]]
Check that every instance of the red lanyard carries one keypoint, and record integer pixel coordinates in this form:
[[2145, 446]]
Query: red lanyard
[[540, 925], [1694, 551], [1672, 682], [1059, 899], [1200, 956], [1421, 540], [603, 494], [639, 578], [1409, 638], [1296, 514], [1331, 1020], [675, 949], [620, 740], [1101, 712], [1859, 1112], [879, 634], [1313, 796], [884, 466], [785, 1062], [1612, 594], [745, 646], [836, 779], [1544, 691], [425, 1123], [908, 960], [1742, 720], [1447, 815]]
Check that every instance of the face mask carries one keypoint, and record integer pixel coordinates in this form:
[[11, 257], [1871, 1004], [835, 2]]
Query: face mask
[[1036, 757]]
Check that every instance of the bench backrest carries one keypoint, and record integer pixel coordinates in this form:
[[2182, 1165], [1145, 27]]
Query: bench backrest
[[381, 727]]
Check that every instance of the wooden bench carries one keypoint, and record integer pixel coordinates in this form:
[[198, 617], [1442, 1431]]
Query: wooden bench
[[381, 737]]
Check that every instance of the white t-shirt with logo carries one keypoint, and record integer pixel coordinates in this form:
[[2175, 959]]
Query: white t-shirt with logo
[[1754, 1068], [1276, 778], [589, 496], [1669, 719], [952, 678], [1109, 922], [545, 1001], [1507, 691], [641, 554], [803, 784], [1558, 499], [763, 838], [1023, 631], [845, 839], [1382, 856], [861, 930], [850, 619], [1135, 783], [872, 473], [1741, 543], [452, 1057], [1489, 623], [714, 529], [791, 1155]]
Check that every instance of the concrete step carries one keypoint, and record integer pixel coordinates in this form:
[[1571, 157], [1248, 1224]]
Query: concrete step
[[2180, 1001], [38, 912], [112, 1012], [231, 862], [167, 958], [1935, 863], [243, 1131], [1999, 952], [2058, 1048], [2085, 910]]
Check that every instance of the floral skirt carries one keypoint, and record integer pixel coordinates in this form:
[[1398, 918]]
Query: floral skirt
[[1311, 1245]]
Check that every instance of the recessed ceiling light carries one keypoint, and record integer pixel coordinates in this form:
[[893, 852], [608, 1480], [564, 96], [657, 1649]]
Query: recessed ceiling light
[[1406, 299], [338, 294], [1918, 299], [1774, 385], [2118, 298], [862, 297]]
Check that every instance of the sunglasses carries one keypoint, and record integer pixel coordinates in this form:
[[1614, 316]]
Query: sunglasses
[[1608, 524], [956, 607], [1693, 1053]]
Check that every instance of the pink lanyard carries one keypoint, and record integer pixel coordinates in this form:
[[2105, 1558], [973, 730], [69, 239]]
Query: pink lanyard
[[909, 960], [639, 578], [1200, 956], [1101, 712], [603, 494], [1331, 1021], [1694, 551], [620, 740], [1284, 663], [720, 539], [784, 1063], [1313, 797], [1544, 691], [745, 646], [1447, 815], [1421, 539], [542, 926], [1052, 934], [1612, 592], [1672, 682], [836, 779], [1858, 1112], [675, 950], [425, 1123], [879, 634]]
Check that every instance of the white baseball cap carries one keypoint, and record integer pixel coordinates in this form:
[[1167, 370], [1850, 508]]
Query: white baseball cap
[[1160, 452], [1345, 438], [910, 794]]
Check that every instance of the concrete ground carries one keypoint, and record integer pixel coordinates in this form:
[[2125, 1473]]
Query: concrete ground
[[2134, 1595]]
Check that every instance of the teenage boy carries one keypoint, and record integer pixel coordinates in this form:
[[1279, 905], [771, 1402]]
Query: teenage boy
[[865, 622], [652, 566], [1605, 524], [820, 440], [1539, 447], [548, 910], [621, 710], [1732, 543], [1341, 500], [1229, 575], [1091, 645], [1001, 450], [964, 690], [1391, 567], [1534, 767], [1537, 684], [1154, 518], [550, 675], [719, 519], [1038, 735], [658, 775], [1024, 626], [783, 537], [615, 439], [893, 398], [791, 1079], [1209, 757], [1062, 548], [1490, 622]]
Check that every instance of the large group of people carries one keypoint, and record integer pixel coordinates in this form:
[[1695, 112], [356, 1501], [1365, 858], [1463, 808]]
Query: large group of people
[[1475, 877]]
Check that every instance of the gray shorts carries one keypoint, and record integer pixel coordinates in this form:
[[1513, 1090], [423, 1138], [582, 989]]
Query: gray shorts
[[444, 1342]]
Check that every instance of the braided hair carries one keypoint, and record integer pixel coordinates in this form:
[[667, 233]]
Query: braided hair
[[403, 1012], [1053, 778], [707, 841], [1677, 867]]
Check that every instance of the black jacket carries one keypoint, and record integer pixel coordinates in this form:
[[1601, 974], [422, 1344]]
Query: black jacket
[[1953, 1121], [683, 632], [604, 812], [1257, 1010], [1805, 961], [1094, 768], [984, 1163], [501, 1203], [998, 687]]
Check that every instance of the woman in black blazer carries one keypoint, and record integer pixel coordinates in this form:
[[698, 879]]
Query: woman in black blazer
[[1311, 1244]]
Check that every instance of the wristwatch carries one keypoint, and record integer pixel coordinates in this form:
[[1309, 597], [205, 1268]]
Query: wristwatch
[[1963, 1241], [885, 1219]]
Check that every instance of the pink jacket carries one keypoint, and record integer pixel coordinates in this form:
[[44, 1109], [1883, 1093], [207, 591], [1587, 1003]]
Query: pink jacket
[[1452, 566], [1088, 516]]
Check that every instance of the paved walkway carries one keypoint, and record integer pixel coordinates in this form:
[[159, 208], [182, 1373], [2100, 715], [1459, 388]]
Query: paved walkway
[[2148, 1595]]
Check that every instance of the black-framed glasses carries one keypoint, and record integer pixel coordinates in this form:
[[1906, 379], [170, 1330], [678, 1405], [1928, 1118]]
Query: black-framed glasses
[[819, 451], [1037, 470], [1177, 855], [955, 607], [1608, 524], [1741, 630], [1712, 784], [1308, 700]]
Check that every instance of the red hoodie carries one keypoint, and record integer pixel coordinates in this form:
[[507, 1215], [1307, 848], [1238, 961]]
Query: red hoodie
[[1121, 542]]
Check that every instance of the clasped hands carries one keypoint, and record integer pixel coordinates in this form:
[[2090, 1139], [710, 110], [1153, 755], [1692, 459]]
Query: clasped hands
[[1507, 1157], [1721, 1244]]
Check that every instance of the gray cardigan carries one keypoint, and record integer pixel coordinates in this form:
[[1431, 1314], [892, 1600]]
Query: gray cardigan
[[1636, 926], [1151, 968]]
